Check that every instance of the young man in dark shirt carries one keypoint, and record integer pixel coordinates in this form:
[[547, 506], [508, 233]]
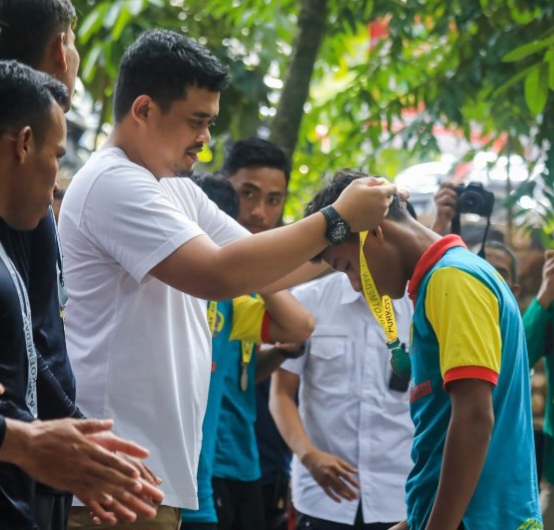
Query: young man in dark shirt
[[33, 132], [32, 139], [40, 34]]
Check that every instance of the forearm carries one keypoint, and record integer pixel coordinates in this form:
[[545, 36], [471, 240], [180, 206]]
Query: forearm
[[252, 263], [306, 272], [284, 410], [465, 451], [267, 361], [290, 321]]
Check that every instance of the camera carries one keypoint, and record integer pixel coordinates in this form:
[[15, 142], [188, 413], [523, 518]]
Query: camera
[[474, 198]]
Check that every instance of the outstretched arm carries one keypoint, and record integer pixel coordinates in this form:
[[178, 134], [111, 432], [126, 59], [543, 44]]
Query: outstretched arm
[[202, 269]]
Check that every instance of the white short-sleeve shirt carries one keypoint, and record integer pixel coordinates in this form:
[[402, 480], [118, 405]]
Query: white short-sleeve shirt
[[140, 350], [346, 405]]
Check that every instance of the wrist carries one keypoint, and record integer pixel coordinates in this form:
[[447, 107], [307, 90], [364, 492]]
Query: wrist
[[16, 443], [305, 455]]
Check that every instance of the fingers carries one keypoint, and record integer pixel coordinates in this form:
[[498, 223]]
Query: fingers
[[92, 426], [111, 442], [346, 466], [123, 472], [152, 492], [147, 474], [335, 480], [123, 509], [337, 489], [1, 389], [140, 506], [101, 514], [403, 194]]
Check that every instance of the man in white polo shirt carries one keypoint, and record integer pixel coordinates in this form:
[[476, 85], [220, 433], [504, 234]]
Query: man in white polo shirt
[[138, 260], [351, 432]]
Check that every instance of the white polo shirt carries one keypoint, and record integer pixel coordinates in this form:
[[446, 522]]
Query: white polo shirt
[[347, 407], [140, 350]]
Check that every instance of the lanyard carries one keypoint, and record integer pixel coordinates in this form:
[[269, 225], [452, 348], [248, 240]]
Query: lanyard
[[31, 393], [212, 315], [62, 291], [383, 311]]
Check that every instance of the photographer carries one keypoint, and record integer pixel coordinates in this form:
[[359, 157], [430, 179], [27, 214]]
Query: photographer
[[452, 201]]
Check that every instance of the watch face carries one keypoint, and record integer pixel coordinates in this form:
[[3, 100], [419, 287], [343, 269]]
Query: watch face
[[339, 232]]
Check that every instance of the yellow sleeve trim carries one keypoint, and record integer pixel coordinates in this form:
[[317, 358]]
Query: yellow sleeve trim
[[465, 317], [248, 317]]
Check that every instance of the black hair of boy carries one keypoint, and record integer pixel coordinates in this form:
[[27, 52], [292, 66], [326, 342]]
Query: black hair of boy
[[255, 152], [221, 192]]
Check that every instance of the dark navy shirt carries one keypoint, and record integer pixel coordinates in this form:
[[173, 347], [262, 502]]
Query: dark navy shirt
[[38, 261], [16, 487]]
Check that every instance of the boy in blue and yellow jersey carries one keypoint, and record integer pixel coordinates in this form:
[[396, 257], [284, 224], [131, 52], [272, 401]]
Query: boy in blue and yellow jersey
[[474, 467], [243, 320]]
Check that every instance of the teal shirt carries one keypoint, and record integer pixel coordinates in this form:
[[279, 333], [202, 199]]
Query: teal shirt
[[236, 452], [506, 495], [242, 316]]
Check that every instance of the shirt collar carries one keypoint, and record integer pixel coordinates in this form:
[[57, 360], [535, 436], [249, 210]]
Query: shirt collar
[[431, 256], [349, 296]]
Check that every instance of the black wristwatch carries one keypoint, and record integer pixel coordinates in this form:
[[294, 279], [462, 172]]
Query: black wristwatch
[[338, 230]]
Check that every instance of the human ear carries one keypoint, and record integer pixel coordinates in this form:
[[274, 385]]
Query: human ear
[[60, 52], [23, 141], [378, 233], [141, 108]]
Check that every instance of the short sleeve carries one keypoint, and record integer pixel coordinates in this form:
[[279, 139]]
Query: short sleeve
[[464, 314], [295, 366], [250, 320], [127, 214], [221, 228]]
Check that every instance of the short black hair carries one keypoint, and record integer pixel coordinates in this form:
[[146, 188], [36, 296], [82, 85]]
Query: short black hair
[[26, 98], [27, 27], [497, 245], [255, 152], [162, 64], [221, 192], [340, 181]]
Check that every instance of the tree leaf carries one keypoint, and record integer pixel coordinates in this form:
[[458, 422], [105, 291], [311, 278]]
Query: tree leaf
[[92, 22], [536, 89], [528, 49]]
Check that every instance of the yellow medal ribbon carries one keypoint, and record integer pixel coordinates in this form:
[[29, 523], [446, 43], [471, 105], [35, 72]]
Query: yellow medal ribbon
[[212, 315], [383, 311], [381, 307]]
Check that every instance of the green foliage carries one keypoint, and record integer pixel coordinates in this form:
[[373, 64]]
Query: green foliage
[[463, 64]]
